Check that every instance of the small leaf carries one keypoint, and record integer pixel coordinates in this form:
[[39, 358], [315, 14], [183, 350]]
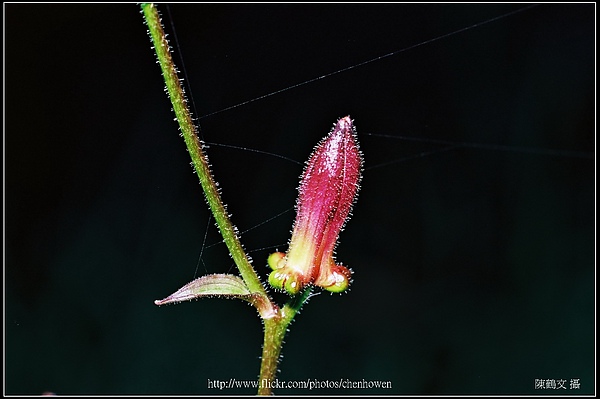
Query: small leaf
[[220, 285]]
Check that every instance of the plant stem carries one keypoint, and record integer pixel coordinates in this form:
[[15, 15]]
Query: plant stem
[[275, 320], [194, 147], [275, 330], [273, 340]]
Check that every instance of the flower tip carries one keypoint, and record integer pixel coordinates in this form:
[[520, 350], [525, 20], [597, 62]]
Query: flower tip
[[345, 123]]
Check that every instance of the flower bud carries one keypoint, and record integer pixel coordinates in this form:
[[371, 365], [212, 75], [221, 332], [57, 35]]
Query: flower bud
[[327, 192]]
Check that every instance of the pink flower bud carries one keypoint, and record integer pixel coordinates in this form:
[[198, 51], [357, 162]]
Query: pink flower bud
[[327, 191]]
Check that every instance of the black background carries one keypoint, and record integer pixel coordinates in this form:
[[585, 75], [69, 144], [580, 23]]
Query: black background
[[474, 264]]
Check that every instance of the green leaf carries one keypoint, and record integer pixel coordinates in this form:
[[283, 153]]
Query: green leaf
[[219, 285]]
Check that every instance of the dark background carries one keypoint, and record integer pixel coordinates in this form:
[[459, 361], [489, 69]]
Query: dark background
[[474, 262]]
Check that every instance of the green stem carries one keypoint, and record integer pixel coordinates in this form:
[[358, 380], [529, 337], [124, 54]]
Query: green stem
[[276, 320], [194, 147], [275, 330], [273, 340]]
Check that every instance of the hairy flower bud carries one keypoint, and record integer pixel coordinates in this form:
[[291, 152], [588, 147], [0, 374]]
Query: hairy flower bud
[[327, 192]]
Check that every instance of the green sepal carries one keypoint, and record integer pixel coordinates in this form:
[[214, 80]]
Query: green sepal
[[339, 286], [276, 279], [275, 260], [283, 279]]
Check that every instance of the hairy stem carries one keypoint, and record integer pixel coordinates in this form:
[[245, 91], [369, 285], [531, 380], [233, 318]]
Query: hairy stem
[[275, 320], [194, 146], [275, 330]]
